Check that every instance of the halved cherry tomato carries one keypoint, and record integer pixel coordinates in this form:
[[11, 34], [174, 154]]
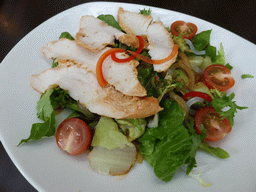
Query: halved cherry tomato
[[219, 77], [74, 136], [186, 30], [202, 95], [216, 128]]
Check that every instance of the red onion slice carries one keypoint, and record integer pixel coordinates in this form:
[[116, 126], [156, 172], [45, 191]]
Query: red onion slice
[[193, 48]]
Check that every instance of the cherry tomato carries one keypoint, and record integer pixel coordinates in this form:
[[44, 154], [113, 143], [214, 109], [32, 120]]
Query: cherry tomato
[[202, 95], [219, 77], [74, 136], [186, 30], [216, 128]]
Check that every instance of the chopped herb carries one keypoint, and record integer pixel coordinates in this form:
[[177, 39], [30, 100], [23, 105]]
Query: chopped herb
[[229, 66], [244, 76], [145, 12], [217, 152], [55, 63]]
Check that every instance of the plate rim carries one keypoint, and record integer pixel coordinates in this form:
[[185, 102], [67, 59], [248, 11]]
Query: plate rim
[[4, 63]]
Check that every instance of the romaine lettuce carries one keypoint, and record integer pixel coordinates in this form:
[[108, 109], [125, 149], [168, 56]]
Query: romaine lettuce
[[167, 146]]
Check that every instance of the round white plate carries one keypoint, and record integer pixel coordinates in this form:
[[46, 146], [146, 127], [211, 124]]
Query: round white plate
[[49, 169]]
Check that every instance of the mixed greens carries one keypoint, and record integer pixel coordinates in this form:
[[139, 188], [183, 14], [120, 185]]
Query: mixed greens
[[167, 140]]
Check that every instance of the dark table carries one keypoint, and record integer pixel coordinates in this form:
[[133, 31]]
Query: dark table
[[19, 17]]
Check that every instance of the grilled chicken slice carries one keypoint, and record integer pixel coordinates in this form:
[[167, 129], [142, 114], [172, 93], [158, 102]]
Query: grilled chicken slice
[[122, 76], [83, 87], [133, 23], [160, 45], [95, 34]]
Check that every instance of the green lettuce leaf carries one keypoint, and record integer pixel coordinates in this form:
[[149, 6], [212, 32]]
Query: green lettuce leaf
[[60, 98], [146, 76], [133, 128], [110, 20], [220, 58], [211, 51], [45, 112], [107, 135], [196, 141], [66, 35], [51, 100], [44, 106], [39, 130], [167, 146], [201, 40], [178, 40]]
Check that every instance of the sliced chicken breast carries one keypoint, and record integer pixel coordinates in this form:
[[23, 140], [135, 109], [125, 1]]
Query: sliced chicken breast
[[94, 34], [83, 87], [133, 23], [122, 76], [160, 45]]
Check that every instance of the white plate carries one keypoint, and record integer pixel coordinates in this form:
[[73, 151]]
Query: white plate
[[49, 169]]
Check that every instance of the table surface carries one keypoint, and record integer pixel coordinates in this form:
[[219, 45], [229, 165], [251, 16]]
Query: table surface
[[19, 17]]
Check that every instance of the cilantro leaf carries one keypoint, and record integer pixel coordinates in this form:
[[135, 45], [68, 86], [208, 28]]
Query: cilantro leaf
[[220, 102]]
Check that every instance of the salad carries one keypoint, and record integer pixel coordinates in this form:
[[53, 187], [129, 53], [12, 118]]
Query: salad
[[181, 104]]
